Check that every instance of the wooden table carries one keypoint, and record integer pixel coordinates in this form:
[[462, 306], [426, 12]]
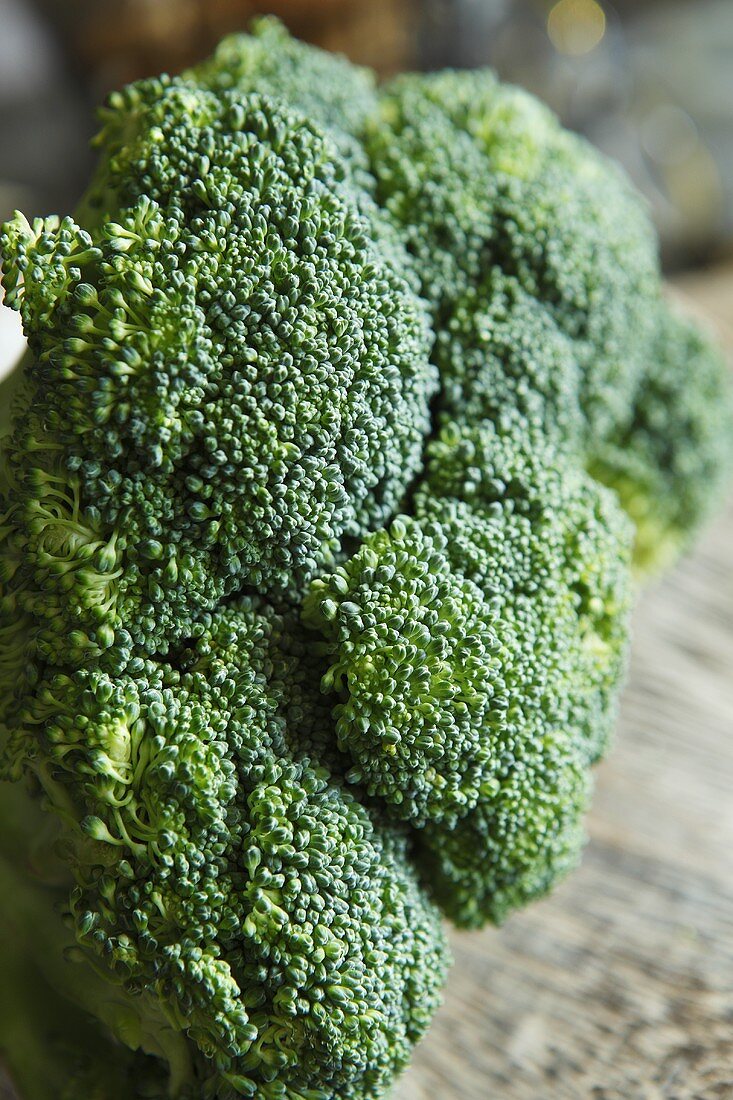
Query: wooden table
[[620, 985]]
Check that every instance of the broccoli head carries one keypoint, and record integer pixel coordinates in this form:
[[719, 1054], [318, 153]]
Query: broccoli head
[[343, 410], [260, 926], [227, 379], [476, 651]]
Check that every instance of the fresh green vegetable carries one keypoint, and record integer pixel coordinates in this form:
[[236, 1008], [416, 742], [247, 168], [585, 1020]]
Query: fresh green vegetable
[[345, 412], [477, 650]]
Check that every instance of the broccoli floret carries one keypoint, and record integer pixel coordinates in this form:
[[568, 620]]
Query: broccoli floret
[[418, 662], [504, 358], [551, 549], [317, 86], [280, 654], [323, 87], [228, 377], [481, 176], [513, 848], [671, 462], [264, 912], [477, 653], [540, 265], [552, 546]]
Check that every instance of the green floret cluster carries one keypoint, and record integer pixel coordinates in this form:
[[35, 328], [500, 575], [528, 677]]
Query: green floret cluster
[[262, 933], [488, 185], [233, 374], [667, 461], [414, 648], [337, 96], [478, 648], [349, 414]]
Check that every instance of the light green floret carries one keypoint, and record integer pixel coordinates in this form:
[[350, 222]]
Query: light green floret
[[525, 831], [539, 262], [227, 377], [264, 935], [481, 176], [416, 660], [672, 461], [323, 87]]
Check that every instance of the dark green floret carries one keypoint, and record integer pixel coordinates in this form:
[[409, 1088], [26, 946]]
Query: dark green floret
[[476, 653], [227, 377], [515, 847], [550, 549], [335, 95], [503, 358], [264, 931], [481, 176], [549, 544]]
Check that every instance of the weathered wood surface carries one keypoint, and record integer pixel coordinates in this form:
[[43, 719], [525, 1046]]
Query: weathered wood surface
[[620, 985]]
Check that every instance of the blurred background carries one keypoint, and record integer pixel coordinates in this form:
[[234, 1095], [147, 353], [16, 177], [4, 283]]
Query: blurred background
[[649, 81]]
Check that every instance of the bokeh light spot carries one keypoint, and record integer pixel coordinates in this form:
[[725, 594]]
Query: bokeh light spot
[[575, 27]]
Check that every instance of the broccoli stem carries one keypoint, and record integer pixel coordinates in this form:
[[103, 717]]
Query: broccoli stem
[[9, 386]]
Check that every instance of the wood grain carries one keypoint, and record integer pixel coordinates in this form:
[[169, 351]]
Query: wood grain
[[620, 985]]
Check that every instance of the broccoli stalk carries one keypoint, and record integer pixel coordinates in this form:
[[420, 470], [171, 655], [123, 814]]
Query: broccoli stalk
[[53, 1038]]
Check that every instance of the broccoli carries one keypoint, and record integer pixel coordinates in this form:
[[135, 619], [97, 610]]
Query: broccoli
[[226, 884], [477, 651], [669, 461], [337, 96], [417, 659], [485, 181], [227, 368], [540, 265], [347, 416], [51, 1045]]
